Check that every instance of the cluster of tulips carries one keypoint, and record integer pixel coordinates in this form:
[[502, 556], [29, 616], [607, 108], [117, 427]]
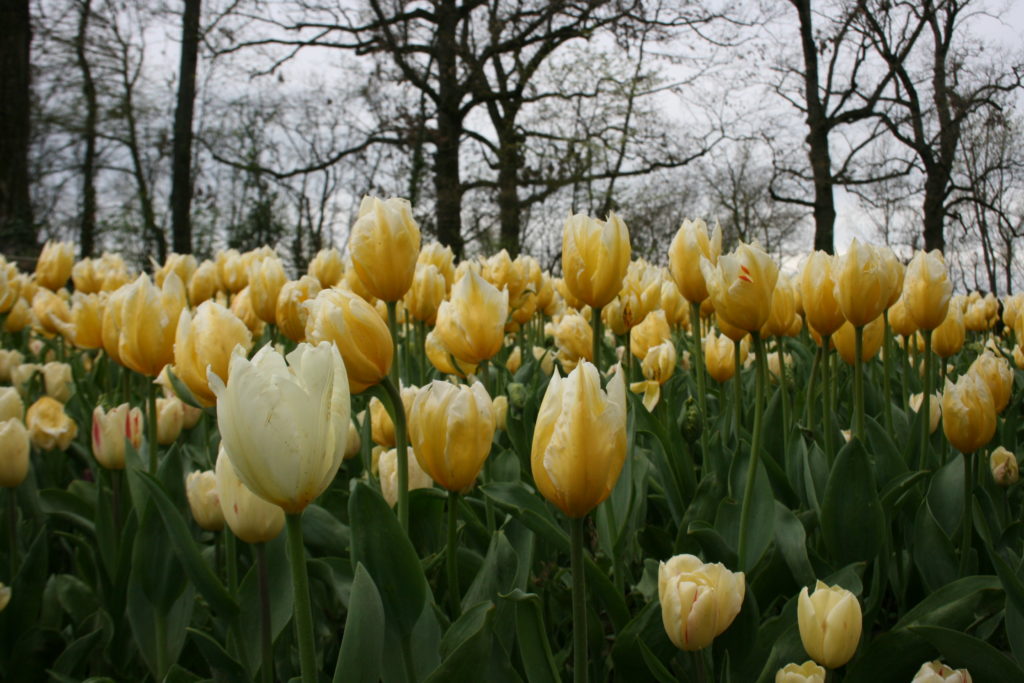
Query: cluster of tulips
[[383, 378]]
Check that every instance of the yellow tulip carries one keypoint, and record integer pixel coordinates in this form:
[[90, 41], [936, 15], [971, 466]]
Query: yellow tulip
[[387, 468], [657, 367], [611, 315], [741, 286], [184, 265], [451, 428], [783, 309], [241, 306], [231, 270], [899, 319], [595, 257], [291, 314], [689, 245], [204, 283], [249, 517], [817, 293], [719, 356], [698, 601], [968, 413], [471, 323], [846, 343], [426, 294], [808, 672], [514, 360], [327, 267], [201, 491], [19, 317], [112, 270], [149, 319], [22, 375], [927, 289], [11, 405], [654, 330], [51, 311], [58, 381], [14, 452], [830, 624], [934, 409], [384, 245], [382, 429], [266, 278], [1004, 467], [84, 327], [9, 359], [579, 441], [10, 285], [641, 292], [937, 672], [441, 258], [285, 426], [864, 283], [998, 376], [948, 338], [729, 330], [672, 302], [54, 265], [575, 340], [85, 278], [443, 360], [897, 273], [109, 431], [49, 426], [204, 344], [341, 317]]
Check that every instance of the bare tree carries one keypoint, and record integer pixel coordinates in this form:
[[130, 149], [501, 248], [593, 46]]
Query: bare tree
[[17, 230], [181, 167]]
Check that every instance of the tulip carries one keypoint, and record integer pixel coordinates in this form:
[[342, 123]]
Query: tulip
[[291, 314], [976, 317], [51, 311], [204, 343], [689, 245], [84, 327], [443, 360], [249, 517], [426, 294], [382, 429], [741, 286], [927, 289], [170, 419], [58, 381], [698, 601], [49, 426], [934, 409], [808, 672], [514, 360], [204, 283], [9, 359], [5, 596], [11, 405], [719, 356], [865, 282], [201, 490], [109, 431], [341, 317], [266, 278], [149, 318], [579, 441], [1005, 470], [783, 309], [384, 245], [10, 285], [948, 338], [657, 367], [231, 270], [830, 624], [22, 375], [595, 257], [677, 312], [997, 375], [574, 339], [327, 267], [937, 672], [611, 316], [817, 293], [14, 452], [499, 409], [354, 443], [441, 258], [387, 465], [641, 292], [968, 413], [845, 341], [471, 324], [54, 265], [654, 330], [241, 306], [110, 325], [19, 317]]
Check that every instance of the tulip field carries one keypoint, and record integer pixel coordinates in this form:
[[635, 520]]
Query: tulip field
[[399, 467]]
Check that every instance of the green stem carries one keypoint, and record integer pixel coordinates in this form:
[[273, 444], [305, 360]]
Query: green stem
[[12, 531], [755, 451], [115, 501], [786, 409], [579, 604], [698, 358], [886, 370], [968, 522], [161, 644], [266, 643], [396, 357], [809, 396], [151, 426], [303, 615], [737, 390], [230, 561], [401, 441], [697, 656], [858, 382], [830, 450], [452, 555], [595, 321], [926, 399]]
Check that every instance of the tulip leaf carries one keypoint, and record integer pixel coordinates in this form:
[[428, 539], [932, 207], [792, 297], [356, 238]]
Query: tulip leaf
[[379, 543], [532, 638], [217, 657], [145, 619], [182, 390], [185, 548], [362, 645], [791, 540], [932, 550], [946, 496], [852, 520], [322, 531], [642, 645], [77, 652], [985, 662], [279, 579]]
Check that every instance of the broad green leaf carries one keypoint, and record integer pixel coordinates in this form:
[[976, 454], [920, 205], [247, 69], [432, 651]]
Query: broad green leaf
[[852, 520], [532, 639], [791, 540], [221, 663], [983, 661], [362, 645]]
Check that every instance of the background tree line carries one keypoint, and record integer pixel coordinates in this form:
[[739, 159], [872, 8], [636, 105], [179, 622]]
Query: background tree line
[[191, 125]]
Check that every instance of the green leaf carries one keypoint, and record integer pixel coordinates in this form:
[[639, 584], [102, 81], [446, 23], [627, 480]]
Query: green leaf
[[182, 390], [362, 645], [466, 645], [983, 661], [322, 531], [852, 520], [932, 550], [791, 540], [946, 496], [145, 618], [761, 520], [279, 579], [379, 543], [77, 652], [221, 663], [532, 639]]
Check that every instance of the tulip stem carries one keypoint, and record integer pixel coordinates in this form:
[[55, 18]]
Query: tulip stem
[[303, 615], [115, 502], [697, 656], [12, 530], [160, 627], [886, 369], [579, 604], [926, 399], [737, 390], [755, 451], [595, 321], [698, 358], [151, 426], [809, 396], [826, 374], [402, 452], [230, 561], [858, 382], [970, 474], [266, 643], [395, 372], [786, 408], [452, 558]]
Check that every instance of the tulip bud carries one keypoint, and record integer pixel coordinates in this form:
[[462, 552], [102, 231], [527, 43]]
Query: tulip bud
[[689, 245], [817, 293], [110, 325], [783, 309], [49, 426], [170, 418], [9, 359], [846, 342], [109, 431], [363, 339], [677, 312], [948, 338], [14, 451], [968, 413], [266, 278], [451, 428], [231, 270], [741, 286], [471, 323], [384, 245], [927, 289], [51, 312], [241, 306], [443, 360], [899, 319], [937, 672], [499, 408], [934, 409], [579, 412], [595, 257], [249, 517], [698, 601], [514, 360], [1005, 470], [382, 429], [808, 672], [575, 341], [58, 381], [441, 258], [22, 376], [204, 343], [291, 315], [546, 359], [997, 375], [10, 285], [54, 265], [11, 405], [204, 283], [327, 267], [719, 356], [5, 596], [19, 317], [654, 330], [149, 318], [201, 490], [387, 467], [426, 294], [864, 283], [830, 624], [641, 292], [354, 443], [692, 425]]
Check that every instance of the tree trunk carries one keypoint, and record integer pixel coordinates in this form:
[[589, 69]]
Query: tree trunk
[[87, 228], [509, 207], [181, 181], [447, 182], [17, 231], [817, 137], [934, 209]]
